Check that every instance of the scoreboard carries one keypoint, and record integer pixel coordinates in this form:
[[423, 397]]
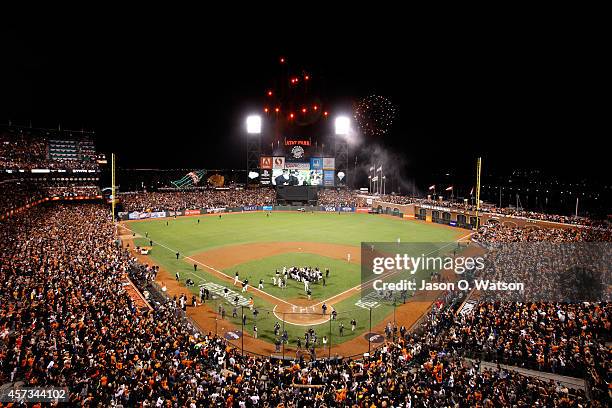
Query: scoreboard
[[291, 171]]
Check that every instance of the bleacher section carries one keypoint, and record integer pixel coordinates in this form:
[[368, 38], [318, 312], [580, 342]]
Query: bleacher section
[[29, 148], [38, 165]]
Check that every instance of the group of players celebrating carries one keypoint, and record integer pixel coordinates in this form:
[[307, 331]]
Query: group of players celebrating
[[305, 274]]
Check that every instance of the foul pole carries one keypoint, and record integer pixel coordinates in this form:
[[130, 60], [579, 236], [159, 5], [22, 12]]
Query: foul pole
[[478, 169], [113, 185]]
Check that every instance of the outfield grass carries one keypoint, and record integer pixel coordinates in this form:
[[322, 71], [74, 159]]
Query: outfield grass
[[187, 236]]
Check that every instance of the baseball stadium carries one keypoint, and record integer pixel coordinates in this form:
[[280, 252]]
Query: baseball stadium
[[308, 269]]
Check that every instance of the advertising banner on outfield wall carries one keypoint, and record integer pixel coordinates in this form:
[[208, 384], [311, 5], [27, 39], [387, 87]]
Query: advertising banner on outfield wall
[[330, 208], [215, 210], [176, 213], [267, 208], [192, 212], [158, 214], [136, 215], [250, 208], [362, 209]]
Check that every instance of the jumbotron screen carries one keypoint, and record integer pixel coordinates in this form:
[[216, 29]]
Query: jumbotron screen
[[281, 171], [296, 177]]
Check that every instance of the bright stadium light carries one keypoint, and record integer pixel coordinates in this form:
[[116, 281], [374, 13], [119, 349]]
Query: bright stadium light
[[343, 125], [253, 123]]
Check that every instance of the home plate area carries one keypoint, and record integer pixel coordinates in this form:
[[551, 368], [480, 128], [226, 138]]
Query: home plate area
[[302, 315]]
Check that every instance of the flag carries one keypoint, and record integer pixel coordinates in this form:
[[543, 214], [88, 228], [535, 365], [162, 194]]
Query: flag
[[472, 191], [432, 187], [449, 188], [379, 169], [372, 168]]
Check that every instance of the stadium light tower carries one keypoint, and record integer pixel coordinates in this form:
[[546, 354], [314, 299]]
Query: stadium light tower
[[253, 124], [343, 125], [253, 140]]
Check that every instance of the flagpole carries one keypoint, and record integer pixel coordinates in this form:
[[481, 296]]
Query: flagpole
[[576, 206], [478, 170], [113, 185], [375, 180], [376, 175]]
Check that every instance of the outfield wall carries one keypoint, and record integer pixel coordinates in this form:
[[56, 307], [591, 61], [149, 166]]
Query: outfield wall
[[141, 215], [463, 218]]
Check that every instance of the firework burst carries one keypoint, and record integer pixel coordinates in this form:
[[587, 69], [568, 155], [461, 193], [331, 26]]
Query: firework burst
[[374, 115]]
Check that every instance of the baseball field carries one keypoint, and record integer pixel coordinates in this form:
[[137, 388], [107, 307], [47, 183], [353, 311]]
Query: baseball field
[[212, 249]]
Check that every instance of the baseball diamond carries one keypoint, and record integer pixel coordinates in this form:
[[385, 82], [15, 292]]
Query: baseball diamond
[[255, 245]]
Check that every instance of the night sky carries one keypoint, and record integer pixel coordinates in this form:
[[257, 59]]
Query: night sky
[[168, 96]]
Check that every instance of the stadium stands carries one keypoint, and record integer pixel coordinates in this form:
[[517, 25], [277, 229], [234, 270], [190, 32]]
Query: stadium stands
[[67, 319], [39, 164], [27, 148], [180, 200]]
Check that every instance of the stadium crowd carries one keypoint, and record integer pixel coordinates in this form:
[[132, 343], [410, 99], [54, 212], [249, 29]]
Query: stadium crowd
[[66, 320], [181, 200], [341, 198], [489, 208], [563, 338], [71, 190], [18, 150], [496, 233], [28, 149], [15, 194]]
